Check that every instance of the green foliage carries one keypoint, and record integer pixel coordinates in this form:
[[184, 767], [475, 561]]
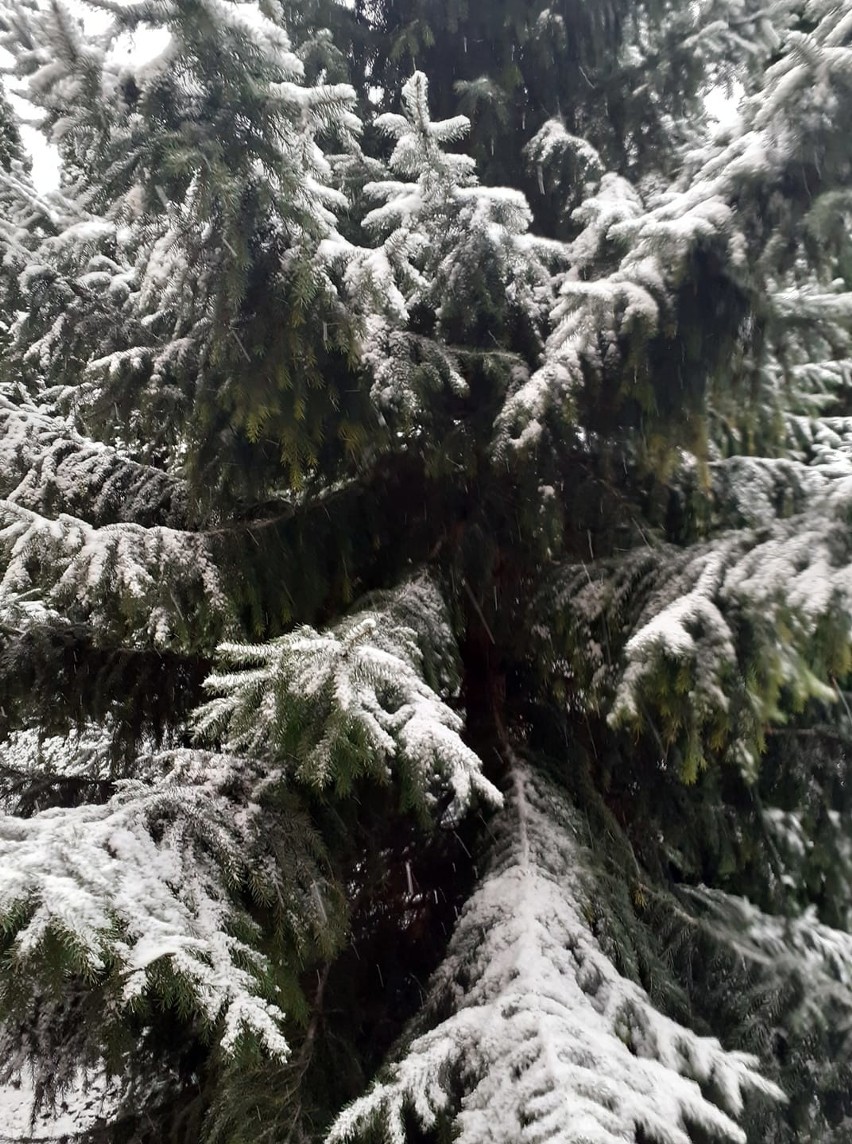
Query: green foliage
[[356, 467], [332, 706], [203, 256]]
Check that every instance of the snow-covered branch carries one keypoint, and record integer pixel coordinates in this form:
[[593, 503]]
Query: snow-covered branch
[[157, 585], [355, 699], [546, 1039], [142, 891]]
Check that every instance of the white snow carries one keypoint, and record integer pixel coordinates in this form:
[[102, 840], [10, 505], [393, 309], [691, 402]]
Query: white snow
[[77, 1109], [546, 1040], [365, 682]]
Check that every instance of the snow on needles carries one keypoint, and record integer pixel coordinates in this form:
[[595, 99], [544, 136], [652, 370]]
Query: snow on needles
[[45, 461], [628, 260], [547, 1040], [117, 573], [351, 699], [137, 882]]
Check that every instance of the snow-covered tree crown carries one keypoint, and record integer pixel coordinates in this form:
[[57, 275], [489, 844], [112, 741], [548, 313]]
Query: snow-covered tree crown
[[200, 197], [368, 449]]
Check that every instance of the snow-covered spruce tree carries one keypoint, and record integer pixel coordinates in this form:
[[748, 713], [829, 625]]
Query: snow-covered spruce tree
[[554, 88], [424, 645]]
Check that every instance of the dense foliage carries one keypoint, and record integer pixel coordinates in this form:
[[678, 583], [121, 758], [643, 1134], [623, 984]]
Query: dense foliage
[[426, 570]]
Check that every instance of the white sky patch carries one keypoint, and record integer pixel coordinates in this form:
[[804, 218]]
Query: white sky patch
[[44, 156], [140, 46], [45, 159], [722, 103], [135, 49]]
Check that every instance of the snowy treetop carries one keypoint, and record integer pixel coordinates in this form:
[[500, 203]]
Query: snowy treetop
[[635, 241], [169, 226]]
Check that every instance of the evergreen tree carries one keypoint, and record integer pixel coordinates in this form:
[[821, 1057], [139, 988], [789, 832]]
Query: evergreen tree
[[559, 92], [425, 613]]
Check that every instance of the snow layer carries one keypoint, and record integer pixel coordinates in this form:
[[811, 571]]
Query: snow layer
[[547, 1041], [76, 1111]]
